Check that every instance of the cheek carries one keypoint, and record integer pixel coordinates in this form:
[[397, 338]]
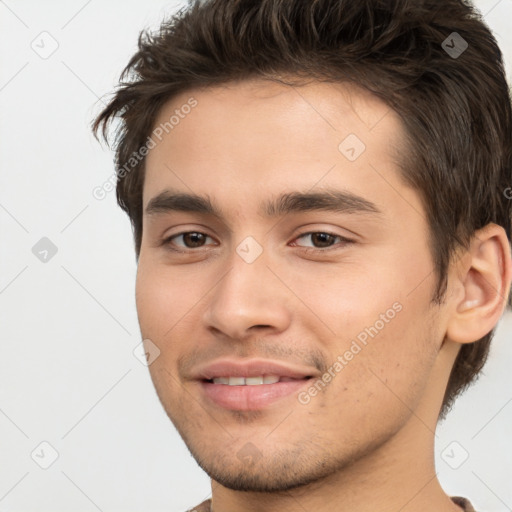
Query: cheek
[[355, 294], [350, 298], [380, 332], [164, 298], [377, 382]]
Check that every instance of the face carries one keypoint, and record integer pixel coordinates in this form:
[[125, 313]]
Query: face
[[303, 248]]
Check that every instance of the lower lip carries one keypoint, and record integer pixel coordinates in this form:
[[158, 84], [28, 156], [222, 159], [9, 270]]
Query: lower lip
[[250, 398]]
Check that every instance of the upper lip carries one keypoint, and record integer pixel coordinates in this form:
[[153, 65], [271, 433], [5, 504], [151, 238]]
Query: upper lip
[[251, 368]]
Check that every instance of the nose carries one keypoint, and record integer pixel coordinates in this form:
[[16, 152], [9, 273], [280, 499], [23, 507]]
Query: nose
[[248, 299]]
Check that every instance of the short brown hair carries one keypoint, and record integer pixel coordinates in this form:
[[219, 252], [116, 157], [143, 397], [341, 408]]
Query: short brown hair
[[454, 105]]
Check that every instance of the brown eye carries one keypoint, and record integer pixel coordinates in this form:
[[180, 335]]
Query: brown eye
[[189, 240], [322, 240], [194, 239]]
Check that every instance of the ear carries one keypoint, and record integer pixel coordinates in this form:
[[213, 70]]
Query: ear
[[483, 281]]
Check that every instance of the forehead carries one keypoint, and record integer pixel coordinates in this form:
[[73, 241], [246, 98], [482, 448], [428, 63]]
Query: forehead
[[261, 103], [246, 137]]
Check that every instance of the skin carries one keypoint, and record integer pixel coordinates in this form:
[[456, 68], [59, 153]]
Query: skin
[[366, 442]]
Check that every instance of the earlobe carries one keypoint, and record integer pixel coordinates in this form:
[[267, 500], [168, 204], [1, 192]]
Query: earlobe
[[485, 276]]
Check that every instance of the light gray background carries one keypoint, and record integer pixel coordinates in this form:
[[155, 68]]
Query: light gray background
[[68, 375]]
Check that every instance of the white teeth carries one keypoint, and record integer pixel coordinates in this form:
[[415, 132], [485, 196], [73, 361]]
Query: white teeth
[[249, 381], [253, 381]]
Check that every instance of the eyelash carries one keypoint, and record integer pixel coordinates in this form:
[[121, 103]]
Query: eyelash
[[345, 241]]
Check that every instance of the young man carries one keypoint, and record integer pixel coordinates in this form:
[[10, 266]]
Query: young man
[[318, 191]]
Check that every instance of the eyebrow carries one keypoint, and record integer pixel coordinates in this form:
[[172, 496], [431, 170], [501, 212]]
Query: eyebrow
[[337, 201]]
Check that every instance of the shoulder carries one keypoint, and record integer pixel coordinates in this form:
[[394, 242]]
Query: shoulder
[[202, 507], [463, 503]]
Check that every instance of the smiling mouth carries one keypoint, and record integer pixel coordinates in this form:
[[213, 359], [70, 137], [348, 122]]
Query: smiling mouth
[[253, 381], [251, 393]]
